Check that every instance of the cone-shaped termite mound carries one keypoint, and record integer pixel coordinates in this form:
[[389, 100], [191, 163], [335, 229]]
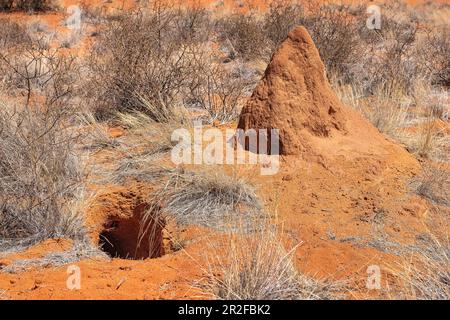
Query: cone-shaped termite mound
[[295, 97]]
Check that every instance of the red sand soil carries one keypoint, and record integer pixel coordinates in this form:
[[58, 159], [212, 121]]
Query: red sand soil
[[341, 181]]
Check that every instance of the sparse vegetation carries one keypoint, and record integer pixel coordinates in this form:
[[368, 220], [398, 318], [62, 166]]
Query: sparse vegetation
[[424, 274], [335, 34], [242, 36], [114, 101], [206, 198], [433, 184], [258, 267], [282, 17], [27, 5], [42, 185], [143, 62], [12, 34]]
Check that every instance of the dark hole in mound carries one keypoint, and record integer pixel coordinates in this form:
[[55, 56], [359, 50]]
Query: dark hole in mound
[[122, 237]]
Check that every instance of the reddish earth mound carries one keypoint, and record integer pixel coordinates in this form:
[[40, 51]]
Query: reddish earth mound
[[295, 97]]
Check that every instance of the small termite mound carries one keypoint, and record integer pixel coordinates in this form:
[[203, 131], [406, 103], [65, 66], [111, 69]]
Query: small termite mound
[[128, 237]]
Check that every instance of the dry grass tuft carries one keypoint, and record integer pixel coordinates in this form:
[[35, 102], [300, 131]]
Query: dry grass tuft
[[433, 184], [80, 250], [147, 142], [257, 267], [411, 120], [207, 197], [425, 274], [386, 113], [97, 136]]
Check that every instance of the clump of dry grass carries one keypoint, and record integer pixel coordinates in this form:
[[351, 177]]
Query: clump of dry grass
[[433, 183], [257, 267], [425, 274], [147, 142], [411, 120], [140, 166], [386, 113], [139, 121], [81, 249], [427, 140], [207, 197], [97, 136]]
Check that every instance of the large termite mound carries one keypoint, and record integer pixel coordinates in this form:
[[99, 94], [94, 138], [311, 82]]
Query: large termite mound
[[295, 97]]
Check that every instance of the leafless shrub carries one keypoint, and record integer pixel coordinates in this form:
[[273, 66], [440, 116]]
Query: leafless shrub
[[437, 45], [6, 5], [282, 17], [14, 39], [390, 60], [69, 40], [219, 89], [92, 14], [12, 35], [335, 34], [144, 59], [38, 26], [243, 36], [160, 60], [39, 73], [41, 180]]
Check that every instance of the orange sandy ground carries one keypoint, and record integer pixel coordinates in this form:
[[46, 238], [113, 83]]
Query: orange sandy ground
[[312, 198], [337, 194]]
